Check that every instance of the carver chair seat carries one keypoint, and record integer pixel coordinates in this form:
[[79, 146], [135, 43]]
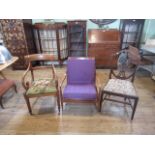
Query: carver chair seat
[[42, 86]]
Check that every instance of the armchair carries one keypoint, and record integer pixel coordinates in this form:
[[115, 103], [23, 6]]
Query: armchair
[[39, 87], [81, 82]]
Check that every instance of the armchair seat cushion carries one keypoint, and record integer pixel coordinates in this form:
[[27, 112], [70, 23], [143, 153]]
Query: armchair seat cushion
[[122, 87], [81, 92], [42, 86]]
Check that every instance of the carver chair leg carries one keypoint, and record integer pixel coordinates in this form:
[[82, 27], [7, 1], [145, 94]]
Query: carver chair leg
[[58, 102], [28, 104], [61, 100]]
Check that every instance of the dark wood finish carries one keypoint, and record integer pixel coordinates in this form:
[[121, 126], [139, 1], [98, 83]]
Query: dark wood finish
[[27, 84], [52, 39], [123, 75], [103, 45], [77, 37], [131, 31], [19, 39]]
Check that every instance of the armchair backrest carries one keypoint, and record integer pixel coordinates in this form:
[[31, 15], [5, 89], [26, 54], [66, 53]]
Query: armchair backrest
[[40, 58], [81, 70]]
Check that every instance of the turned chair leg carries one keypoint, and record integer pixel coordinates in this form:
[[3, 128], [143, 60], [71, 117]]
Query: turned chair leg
[[28, 104], [1, 104]]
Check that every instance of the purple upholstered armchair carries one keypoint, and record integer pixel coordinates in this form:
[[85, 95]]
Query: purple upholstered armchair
[[81, 82]]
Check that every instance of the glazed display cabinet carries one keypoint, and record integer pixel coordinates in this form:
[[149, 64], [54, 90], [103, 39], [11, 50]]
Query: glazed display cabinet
[[77, 38], [131, 31], [18, 38], [52, 39]]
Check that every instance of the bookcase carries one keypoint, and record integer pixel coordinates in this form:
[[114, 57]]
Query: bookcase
[[77, 38], [18, 38], [52, 39]]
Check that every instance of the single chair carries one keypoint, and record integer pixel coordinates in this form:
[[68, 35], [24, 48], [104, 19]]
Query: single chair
[[120, 86], [81, 82], [39, 87]]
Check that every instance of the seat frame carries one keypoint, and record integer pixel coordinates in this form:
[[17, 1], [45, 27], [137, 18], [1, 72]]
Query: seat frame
[[26, 84]]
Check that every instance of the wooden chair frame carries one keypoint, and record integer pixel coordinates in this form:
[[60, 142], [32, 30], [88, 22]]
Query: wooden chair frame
[[27, 85], [96, 102]]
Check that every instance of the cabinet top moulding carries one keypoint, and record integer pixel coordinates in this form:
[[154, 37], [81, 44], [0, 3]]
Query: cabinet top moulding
[[48, 26]]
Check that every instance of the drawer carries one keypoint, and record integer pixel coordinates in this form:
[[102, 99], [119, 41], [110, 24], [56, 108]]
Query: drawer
[[104, 45], [106, 63], [101, 54]]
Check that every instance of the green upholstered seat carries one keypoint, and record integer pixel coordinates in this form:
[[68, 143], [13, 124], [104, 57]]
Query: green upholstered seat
[[42, 86]]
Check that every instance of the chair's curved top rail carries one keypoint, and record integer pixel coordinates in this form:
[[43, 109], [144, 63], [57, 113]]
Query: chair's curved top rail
[[39, 57]]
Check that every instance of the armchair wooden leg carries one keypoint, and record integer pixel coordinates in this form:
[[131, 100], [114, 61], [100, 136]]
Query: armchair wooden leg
[[134, 108], [28, 104], [61, 100], [58, 102], [100, 101], [1, 104]]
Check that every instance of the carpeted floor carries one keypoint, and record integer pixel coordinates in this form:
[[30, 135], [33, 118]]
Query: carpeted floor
[[77, 118]]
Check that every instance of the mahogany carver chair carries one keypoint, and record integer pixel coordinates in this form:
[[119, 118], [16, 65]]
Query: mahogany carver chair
[[120, 87], [39, 87], [81, 82]]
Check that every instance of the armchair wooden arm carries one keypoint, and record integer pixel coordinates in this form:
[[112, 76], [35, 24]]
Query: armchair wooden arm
[[65, 76], [25, 84]]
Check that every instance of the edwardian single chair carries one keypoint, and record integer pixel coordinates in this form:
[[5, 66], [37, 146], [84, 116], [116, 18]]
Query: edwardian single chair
[[39, 87], [81, 82], [120, 86]]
